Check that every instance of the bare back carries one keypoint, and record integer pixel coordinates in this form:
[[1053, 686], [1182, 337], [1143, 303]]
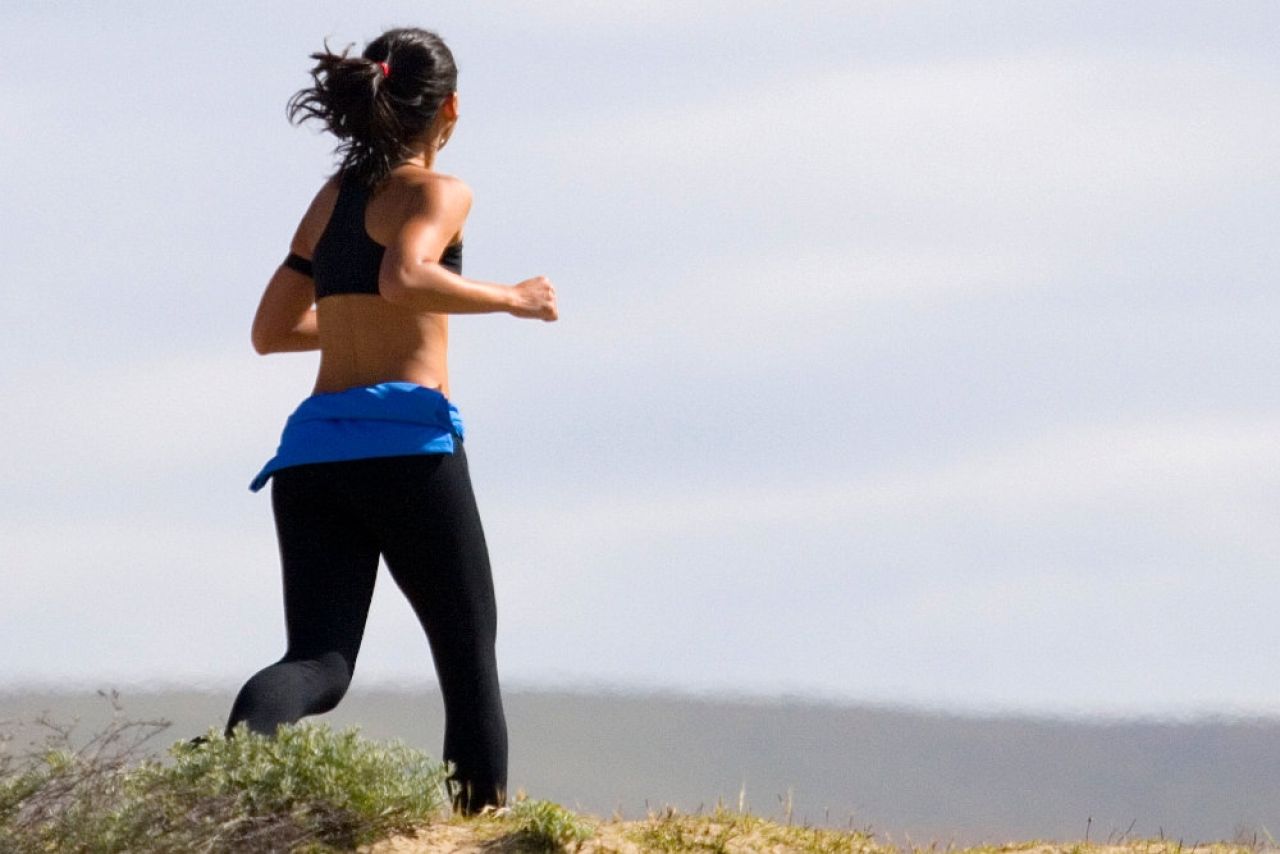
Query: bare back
[[365, 339]]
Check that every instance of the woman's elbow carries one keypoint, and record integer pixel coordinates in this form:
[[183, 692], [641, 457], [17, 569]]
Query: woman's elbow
[[405, 285], [391, 287], [261, 341]]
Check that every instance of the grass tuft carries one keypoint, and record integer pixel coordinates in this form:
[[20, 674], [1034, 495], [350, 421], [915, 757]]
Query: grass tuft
[[547, 826], [309, 788], [724, 831]]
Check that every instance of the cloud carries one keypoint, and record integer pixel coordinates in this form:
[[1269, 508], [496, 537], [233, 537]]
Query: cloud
[[1186, 476], [129, 422], [792, 307], [124, 594], [1005, 149]]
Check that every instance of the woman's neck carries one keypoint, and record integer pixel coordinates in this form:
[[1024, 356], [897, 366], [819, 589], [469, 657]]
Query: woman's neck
[[422, 157]]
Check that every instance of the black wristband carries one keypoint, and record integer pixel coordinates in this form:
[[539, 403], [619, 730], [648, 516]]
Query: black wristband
[[297, 262]]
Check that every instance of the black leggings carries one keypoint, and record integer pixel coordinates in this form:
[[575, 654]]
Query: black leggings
[[333, 520]]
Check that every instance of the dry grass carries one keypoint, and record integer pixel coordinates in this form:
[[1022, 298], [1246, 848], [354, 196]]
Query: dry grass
[[310, 789], [724, 831]]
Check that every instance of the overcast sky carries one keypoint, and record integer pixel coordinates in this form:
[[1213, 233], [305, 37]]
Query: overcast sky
[[909, 352]]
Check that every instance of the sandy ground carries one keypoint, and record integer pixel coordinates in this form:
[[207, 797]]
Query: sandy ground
[[611, 838], [469, 840]]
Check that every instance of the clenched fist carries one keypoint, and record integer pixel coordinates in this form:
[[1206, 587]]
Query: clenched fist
[[535, 298]]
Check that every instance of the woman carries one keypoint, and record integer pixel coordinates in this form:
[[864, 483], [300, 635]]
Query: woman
[[372, 463]]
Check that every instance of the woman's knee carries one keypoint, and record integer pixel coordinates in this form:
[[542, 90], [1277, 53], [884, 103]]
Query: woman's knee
[[325, 678], [295, 686]]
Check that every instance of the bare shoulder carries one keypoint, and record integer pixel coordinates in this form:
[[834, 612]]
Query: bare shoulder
[[415, 197], [424, 190]]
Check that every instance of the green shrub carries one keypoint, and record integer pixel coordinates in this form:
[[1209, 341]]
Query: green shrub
[[308, 786], [547, 825]]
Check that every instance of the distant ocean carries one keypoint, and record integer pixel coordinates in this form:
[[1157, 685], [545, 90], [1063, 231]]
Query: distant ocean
[[906, 775]]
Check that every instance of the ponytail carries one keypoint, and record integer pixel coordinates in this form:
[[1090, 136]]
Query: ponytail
[[374, 115]]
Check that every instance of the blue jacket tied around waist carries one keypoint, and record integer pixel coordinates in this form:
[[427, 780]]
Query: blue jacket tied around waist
[[382, 420]]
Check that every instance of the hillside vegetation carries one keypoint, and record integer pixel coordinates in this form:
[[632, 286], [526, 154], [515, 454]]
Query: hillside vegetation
[[311, 789]]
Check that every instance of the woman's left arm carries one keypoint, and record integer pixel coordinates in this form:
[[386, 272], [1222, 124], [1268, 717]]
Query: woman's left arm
[[286, 318]]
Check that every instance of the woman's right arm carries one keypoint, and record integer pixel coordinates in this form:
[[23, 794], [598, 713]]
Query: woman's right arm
[[412, 276]]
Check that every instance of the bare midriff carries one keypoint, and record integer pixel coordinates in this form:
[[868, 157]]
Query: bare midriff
[[364, 339]]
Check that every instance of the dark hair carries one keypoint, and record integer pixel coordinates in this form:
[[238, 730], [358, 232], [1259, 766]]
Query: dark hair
[[375, 115]]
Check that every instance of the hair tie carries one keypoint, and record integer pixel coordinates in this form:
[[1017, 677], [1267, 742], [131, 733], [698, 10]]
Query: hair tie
[[386, 69]]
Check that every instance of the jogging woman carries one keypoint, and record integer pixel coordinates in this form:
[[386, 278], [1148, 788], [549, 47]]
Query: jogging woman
[[372, 463]]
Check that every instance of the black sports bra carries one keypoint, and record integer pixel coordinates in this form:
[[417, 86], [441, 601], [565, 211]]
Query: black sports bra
[[346, 258]]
